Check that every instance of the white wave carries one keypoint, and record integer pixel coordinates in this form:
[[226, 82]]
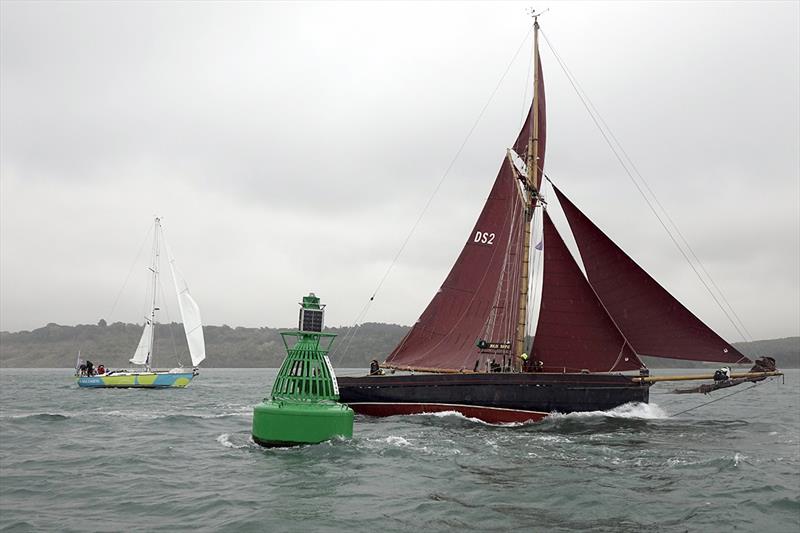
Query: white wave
[[551, 438], [33, 415], [221, 415], [224, 439], [456, 414], [646, 411], [396, 441]]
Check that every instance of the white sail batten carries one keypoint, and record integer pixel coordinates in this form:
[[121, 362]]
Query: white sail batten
[[142, 354], [190, 312]]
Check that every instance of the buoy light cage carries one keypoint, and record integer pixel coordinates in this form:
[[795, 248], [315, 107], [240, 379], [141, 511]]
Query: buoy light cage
[[312, 314]]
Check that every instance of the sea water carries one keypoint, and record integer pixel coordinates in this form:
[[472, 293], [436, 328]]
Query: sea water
[[182, 459]]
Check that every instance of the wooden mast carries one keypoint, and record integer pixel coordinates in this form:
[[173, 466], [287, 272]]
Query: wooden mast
[[531, 184]]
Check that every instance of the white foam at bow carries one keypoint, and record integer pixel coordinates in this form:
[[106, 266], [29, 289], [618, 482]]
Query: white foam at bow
[[647, 411]]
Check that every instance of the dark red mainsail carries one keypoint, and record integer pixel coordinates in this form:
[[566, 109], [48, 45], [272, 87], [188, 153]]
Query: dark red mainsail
[[479, 298], [521, 144], [574, 331], [652, 320]]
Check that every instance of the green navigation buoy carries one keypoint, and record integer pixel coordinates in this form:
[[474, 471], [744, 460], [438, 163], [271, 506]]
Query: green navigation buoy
[[303, 408]]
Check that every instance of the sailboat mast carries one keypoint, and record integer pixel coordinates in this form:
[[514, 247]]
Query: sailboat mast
[[532, 184], [532, 161], [153, 308]]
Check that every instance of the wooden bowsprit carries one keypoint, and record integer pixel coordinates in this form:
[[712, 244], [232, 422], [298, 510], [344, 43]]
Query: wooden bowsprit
[[733, 380]]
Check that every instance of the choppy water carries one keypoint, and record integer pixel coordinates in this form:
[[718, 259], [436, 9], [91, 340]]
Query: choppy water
[[162, 460]]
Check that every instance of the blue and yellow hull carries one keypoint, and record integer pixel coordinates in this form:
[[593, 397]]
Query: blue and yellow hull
[[136, 380]]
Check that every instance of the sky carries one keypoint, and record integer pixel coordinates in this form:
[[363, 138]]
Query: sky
[[290, 147]]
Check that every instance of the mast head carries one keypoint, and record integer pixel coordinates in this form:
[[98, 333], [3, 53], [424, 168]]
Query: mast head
[[535, 15]]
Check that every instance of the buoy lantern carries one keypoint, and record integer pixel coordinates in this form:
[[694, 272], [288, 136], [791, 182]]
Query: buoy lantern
[[303, 407]]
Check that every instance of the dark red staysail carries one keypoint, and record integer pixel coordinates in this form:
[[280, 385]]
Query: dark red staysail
[[478, 300], [652, 320], [574, 331], [521, 144]]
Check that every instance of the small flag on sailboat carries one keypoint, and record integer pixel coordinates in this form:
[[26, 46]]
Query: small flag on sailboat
[[540, 245]]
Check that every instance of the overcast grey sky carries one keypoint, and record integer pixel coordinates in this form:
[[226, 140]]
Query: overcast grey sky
[[291, 146]]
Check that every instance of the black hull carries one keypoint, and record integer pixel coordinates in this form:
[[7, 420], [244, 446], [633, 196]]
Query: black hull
[[500, 397]]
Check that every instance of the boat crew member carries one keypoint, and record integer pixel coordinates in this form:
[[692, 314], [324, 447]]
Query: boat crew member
[[101, 369], [375, 368], [723, 374]]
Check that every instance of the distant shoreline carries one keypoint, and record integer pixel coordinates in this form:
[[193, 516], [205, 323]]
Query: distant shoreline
[[56, 346]]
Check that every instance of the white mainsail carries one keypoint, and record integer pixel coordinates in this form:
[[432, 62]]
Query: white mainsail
[[190, 313], [142, 354]]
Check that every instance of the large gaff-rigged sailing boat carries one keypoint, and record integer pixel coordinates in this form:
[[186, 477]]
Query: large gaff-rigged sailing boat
[[149, 377], [468, 349]]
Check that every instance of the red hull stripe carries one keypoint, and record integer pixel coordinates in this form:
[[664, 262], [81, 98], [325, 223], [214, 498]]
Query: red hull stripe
[[492, 415]]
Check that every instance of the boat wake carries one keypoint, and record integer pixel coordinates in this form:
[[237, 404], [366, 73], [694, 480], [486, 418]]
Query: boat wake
[[635, 410], [455, 415]]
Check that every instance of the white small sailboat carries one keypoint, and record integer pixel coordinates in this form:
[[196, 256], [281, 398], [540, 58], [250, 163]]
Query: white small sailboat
[[148, 376]]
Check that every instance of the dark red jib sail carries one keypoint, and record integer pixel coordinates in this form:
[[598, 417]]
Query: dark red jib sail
[[479, 299], [652, 320], [574, 331]]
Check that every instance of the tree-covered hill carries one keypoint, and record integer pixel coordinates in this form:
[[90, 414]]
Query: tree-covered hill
[[57, 346]]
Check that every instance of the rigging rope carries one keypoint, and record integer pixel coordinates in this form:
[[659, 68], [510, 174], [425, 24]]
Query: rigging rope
[[430, 198], [715, 400], [130, 271], [536, 261], [598, 120], [169, 322], [507, 282]]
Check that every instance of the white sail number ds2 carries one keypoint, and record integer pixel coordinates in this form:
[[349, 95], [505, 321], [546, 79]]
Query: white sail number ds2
[[484, 237]]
